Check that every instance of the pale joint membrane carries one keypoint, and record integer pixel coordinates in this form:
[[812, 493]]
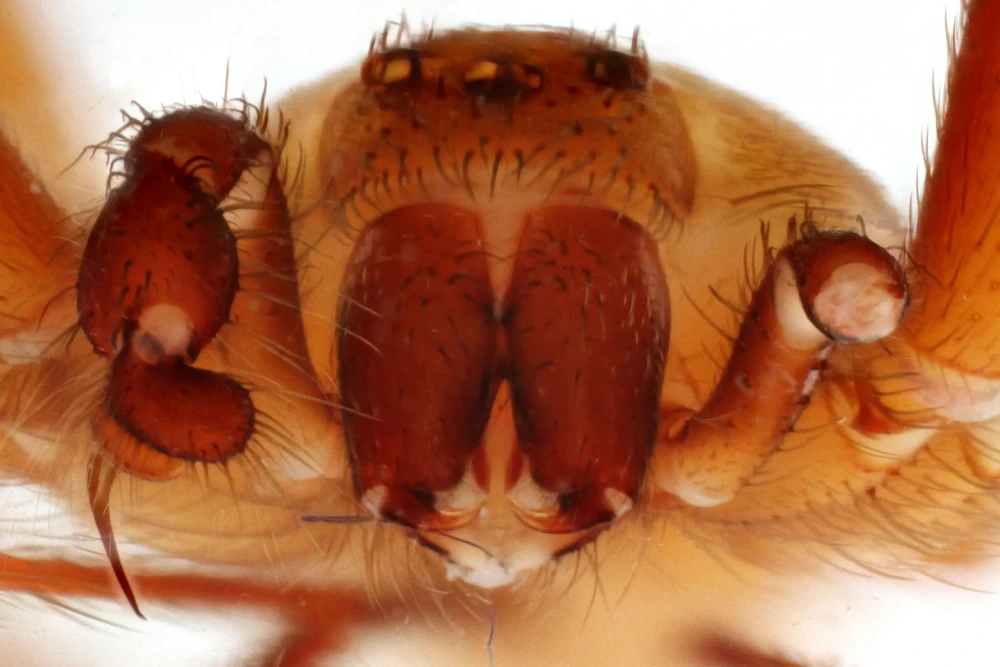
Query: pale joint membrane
[[917, 389]]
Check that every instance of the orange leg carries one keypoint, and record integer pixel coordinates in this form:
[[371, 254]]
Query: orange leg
[[947, 358], [956, 321]]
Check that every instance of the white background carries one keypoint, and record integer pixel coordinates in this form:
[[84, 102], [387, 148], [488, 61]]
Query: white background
[[858, 72]]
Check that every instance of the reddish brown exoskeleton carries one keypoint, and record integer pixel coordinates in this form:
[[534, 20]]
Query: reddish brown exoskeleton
[[533, 299]]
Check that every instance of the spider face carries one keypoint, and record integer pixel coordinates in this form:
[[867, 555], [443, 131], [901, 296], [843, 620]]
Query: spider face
[[518, 202], [484, 173], [532, 296]]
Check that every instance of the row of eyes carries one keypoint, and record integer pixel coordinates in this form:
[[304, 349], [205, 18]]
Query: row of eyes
[[502, 77]]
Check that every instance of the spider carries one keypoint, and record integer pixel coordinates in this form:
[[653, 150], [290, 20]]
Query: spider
[[745, 336]]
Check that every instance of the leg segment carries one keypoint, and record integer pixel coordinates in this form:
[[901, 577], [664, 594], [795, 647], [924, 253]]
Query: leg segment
[[945, 364], [825, 289]]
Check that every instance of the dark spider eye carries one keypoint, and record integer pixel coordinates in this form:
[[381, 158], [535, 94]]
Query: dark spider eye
[[498, 79], [617, 70]]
